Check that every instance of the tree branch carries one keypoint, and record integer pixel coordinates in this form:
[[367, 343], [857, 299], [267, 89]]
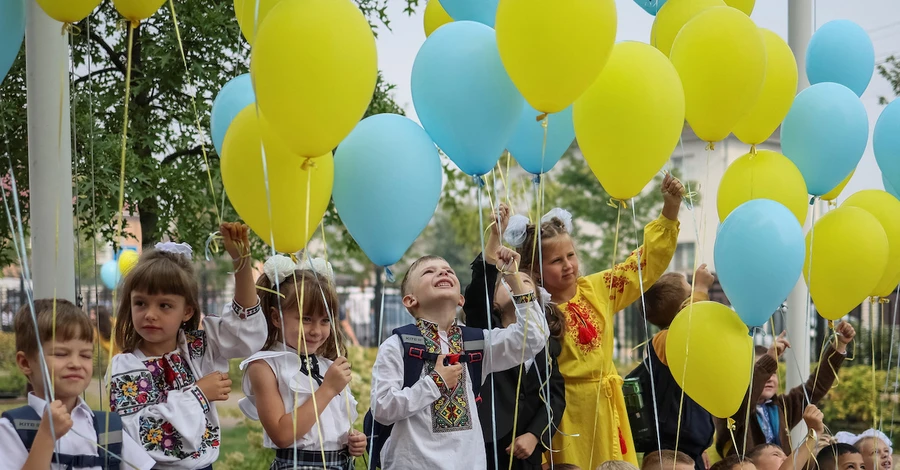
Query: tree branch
[[113, 56], [198, 150], [94, 73]]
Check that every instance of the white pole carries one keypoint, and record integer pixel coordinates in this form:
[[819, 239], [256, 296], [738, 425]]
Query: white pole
[[49, 156], [800, 30]]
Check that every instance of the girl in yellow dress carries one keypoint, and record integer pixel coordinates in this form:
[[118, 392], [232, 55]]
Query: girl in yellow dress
[[594, 427]]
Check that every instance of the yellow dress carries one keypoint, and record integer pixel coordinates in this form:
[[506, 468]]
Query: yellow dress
[[594, 427]]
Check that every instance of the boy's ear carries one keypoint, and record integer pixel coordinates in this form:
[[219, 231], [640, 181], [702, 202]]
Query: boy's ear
[[409, 301], [462, 300], [25, 365]]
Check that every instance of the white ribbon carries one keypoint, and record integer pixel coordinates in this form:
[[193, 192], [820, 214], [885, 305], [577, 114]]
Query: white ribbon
[[518, 224], [280, 267], [182, 249]]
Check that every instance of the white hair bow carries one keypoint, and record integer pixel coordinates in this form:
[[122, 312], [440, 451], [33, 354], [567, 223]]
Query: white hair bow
[[280, 267], [182, 249], [518, 224]]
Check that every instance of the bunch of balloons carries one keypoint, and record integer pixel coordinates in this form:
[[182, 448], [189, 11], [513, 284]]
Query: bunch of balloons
[[113, 271], [73, 11]]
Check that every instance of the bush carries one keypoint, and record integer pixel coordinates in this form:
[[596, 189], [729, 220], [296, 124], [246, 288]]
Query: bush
[[12, 382]]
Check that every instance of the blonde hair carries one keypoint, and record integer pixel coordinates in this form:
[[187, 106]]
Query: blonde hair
[[528, 249], [616, 465]]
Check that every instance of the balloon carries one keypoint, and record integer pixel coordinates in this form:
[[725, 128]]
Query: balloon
[[849, 252], [385, 217], [710, 355], [12, 33], [885, 208], [825, 134], [236, 95], [463, 97], [527, 144], [778, 91], [651, 6], [766, 175], [242, 174], [672, 17], [109, 274], [629, 121], [245, 11], [834, 193], [841, 52], [66, 11], [137, 10], [745, 6], [721, 58], [759, 256], [128, 259], [889, 188], [554, 50], [481, 11], [435, 16], [886, 143], [314, 96]]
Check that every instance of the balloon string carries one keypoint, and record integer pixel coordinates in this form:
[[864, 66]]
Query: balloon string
[[371, 465], [490, 328], [887, 375]]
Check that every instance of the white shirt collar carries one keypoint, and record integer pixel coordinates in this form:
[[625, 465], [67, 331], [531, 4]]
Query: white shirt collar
[[39, 404]]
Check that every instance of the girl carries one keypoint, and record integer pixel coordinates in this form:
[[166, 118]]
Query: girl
[[532, 412], [170, 373], [595, 429], [304, 414]]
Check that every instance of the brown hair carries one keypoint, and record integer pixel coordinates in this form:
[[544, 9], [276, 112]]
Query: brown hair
[[528, 250], [664, 298], [757, 451], [730, 462], [616, 465], [319, 298], [70, 323], [668, 458], [104, 322], [157, 272], [406, 277], [566, 466], [556, 320]]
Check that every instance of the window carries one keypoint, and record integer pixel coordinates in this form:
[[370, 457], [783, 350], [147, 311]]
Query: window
[[683, 261]]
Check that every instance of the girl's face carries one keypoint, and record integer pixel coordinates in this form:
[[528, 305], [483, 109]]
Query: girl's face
[[316, 329], [560, 268], [157, 319], [502, 300]]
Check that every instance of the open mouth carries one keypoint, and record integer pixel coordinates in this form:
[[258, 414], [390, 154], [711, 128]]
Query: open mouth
[[444, 283]]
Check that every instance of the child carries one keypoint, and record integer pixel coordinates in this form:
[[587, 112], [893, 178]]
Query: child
[[170, 373], [305, 412], [772, 456], [532, 406], [734, 462], [68, 347], [840, 457], [434, 421], [773, 416], [667, 460], [595, 427], [662, 302], [875, 449], [616, 465]]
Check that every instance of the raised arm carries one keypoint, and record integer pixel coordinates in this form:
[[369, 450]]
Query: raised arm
[[820, 380], [479, 297]]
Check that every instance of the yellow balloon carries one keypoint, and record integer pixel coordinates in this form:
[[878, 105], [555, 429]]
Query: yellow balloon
[[137, 10], [68, 11], [721, 58], [710, 354], [849, 254], [127, 261], [673, 15], [834, 193], [554, 50], [885, 208], [435, 16], [245, 11], [314, 68], [242, 173], [629, 121], [766, 175], [745, 6], [778, 91]]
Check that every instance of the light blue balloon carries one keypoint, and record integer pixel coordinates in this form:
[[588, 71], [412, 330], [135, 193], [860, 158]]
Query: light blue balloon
[[825, 134], [236, 95], [527, 144], [109, 274], [482, 11], [387, 184], [463, 96], [759, 254], [886, 143], [651, 6], [841, 51], [12, 33], [889, 187]]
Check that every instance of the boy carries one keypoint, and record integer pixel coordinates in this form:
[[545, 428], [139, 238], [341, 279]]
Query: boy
[[663, 301], [734, 462], [667, 460], [773, 416], [840, 457], [72, 440], [772, 456], [435, 423]]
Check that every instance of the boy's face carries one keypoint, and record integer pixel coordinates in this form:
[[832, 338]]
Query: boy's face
[[432, 282], [70, 364], [771, 458], [851, 462]]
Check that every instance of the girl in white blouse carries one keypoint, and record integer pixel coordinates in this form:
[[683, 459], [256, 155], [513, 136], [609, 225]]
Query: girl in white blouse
[[170, 372], [297, 386]]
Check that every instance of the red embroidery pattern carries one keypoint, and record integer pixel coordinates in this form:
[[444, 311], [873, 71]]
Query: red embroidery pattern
[[581, 325]]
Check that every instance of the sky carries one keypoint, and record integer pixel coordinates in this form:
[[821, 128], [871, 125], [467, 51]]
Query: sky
[[881, 18]]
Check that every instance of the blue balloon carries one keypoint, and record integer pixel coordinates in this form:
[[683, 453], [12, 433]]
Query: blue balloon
[[759, 254], [886, 143], [463, 96], [841, 52], [527, 144], [651, 6], [387, 184], [12, 32], [236, 95], [825, 134], [482, 11], [109, 274], [889, 187]]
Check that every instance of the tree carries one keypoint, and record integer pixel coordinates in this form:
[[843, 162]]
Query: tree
[[890, 70]]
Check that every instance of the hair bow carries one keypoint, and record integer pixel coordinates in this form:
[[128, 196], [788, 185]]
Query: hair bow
[[518, 224], [182, 249], [278, 268]]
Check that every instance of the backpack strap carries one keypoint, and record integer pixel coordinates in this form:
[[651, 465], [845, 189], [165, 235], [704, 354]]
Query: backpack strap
[[414, 353], [26, 422], [473, 345], [108, 427]]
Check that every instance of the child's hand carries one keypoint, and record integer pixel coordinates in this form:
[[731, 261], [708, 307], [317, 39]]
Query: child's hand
[[703, 279], [492, 244], [62, 420], [215, 386], [356, 442], [523, 447], [779, 346], [508, 260], [235, 233], [500, 218], [450, 374], [845, 334], [672, 191], [338, 376], [815, 419]]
